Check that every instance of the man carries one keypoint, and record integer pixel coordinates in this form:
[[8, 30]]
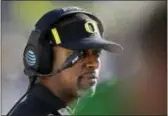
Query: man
[[63, 53]]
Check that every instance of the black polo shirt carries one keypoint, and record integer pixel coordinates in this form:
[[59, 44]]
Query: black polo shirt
[[41, 102]]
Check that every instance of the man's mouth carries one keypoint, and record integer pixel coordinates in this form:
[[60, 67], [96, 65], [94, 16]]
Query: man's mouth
[[87, 80]]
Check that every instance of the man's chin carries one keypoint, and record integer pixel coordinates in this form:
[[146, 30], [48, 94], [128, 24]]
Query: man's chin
[[88, 92]]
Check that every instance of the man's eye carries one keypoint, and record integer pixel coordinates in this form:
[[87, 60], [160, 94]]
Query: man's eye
[[82, 53], [85, 53], [97, 53]]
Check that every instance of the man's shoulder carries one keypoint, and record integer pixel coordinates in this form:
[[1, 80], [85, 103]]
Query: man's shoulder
[[26, 108], [39, 101], [22, 109], [33, 107]]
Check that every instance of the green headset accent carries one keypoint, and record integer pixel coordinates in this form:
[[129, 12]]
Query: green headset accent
[[56, 36]]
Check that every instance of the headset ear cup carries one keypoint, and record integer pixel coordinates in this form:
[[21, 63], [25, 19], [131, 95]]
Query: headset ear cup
[[30, 58], [46, 58]]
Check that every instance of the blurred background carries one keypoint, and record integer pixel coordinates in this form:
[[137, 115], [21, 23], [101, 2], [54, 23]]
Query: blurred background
[[133, 83]]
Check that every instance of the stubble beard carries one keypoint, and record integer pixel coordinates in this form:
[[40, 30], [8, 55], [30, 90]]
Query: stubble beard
[[89, 92]]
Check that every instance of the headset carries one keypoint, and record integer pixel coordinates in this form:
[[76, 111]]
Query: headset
[[38, 53]]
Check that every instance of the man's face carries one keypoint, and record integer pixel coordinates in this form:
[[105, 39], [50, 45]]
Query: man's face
[[82, 76]]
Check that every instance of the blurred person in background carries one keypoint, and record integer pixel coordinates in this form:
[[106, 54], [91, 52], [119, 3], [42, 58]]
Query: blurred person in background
[[143, 93], [152, 76], [63, 53]]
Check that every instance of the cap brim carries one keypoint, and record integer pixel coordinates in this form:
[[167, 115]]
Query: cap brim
[[87, 43]]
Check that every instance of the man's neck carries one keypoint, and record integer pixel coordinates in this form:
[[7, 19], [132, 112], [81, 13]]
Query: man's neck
[[58, 92]]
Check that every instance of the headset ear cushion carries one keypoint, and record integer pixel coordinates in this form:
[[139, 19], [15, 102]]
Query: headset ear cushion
[[45, 58]]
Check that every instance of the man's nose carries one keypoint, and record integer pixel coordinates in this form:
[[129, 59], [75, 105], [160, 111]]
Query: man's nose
[[92, 62]]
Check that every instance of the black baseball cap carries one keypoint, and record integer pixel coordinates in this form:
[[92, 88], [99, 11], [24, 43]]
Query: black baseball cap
[[79, 31]]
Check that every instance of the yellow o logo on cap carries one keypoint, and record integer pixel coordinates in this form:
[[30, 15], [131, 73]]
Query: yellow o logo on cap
[[91, 27]]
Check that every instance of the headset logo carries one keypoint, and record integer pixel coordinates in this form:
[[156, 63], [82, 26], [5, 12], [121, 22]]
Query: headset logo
[[30, 58], [91, 27]]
